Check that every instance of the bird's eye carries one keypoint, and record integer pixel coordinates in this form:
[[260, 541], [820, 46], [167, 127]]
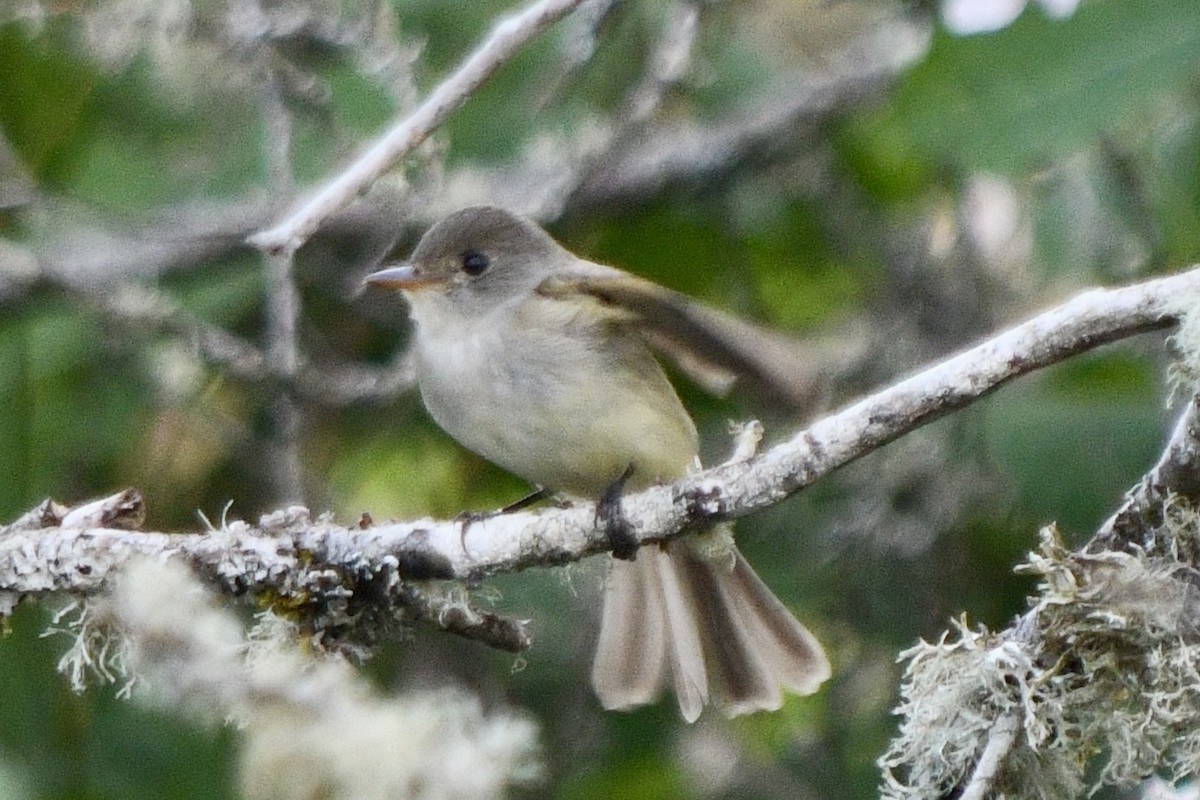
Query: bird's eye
[[474, 262]]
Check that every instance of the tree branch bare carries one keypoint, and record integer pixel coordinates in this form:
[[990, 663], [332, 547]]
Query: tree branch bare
[[505, 41]]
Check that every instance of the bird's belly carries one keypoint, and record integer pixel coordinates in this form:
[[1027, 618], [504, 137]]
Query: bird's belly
[[542, 418]]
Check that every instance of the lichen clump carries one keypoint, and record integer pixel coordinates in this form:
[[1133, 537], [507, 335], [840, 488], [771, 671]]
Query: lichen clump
[[1099, 680]]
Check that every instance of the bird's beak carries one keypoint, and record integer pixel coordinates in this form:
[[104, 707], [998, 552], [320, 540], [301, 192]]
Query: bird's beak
[[401, 276]]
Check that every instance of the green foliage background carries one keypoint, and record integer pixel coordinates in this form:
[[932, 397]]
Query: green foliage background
[[1093, 122]]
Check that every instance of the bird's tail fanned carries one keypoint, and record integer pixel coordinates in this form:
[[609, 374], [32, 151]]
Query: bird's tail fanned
[[710, 625]]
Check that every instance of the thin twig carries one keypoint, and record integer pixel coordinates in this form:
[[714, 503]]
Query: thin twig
[[668, 62], [470, 622], [683, 152], [1176, 473], [144, 308], [505, 41], [632, 157], [283, 312], [1000, 742]]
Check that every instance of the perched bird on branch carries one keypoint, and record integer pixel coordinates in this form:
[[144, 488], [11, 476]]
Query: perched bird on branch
[[542, 363]]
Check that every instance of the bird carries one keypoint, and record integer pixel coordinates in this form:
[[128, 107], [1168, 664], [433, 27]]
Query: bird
[[544, 364]]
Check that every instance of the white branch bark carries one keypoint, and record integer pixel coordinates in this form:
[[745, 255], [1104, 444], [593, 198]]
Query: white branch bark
[[1000, 743], [290, 555], [505, 41], [1176, 473]]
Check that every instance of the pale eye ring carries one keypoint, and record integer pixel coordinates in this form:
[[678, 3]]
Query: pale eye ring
[[474, 262]]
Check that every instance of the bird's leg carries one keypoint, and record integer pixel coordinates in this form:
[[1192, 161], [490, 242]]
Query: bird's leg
[[608, 513], [541, 493], [468, 518], [471, 517]]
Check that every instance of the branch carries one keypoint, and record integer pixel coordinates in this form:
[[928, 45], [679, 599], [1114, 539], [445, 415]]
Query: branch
[[1101, 666], [73, 248], [505, 41], [1096, 317], [1000, 743], [1177, 473], [335, 570], [309, 727], [283, 308], [1103, 663], [683, 152], [640, 154]]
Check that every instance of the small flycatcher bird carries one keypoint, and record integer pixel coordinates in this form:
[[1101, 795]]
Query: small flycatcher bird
[[540, 362]]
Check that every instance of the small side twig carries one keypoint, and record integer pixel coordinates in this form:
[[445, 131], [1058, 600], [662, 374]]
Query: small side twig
[[283, 312], [470, 622], [1000, 742]]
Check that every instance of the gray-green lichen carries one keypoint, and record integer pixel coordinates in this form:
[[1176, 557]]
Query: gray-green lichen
[[1101, 677]]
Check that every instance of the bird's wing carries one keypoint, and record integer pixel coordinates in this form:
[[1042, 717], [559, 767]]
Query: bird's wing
[[713, 348]]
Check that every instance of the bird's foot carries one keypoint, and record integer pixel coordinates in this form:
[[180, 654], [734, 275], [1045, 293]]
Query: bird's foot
[[621, 535], [525, 502], [468, 518]]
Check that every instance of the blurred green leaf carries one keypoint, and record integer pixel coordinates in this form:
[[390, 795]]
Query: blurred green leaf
[[800, 283], [224, 294], [676, 247], [1071, 455], [45, 101], [1114, 375], [1041, 88], [408, 469], [74, 406], [645, 778]]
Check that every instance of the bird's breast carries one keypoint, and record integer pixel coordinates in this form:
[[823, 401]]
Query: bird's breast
[[569, 411]]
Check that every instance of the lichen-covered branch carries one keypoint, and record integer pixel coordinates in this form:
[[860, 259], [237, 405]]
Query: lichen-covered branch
[[309, 727], [346, 587], [1101, 671], [1101, 674], [355, 582], [1176, 473], [1001, 738], [1096, 317]]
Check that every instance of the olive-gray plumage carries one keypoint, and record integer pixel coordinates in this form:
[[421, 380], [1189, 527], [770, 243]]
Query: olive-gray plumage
[[536, 360]]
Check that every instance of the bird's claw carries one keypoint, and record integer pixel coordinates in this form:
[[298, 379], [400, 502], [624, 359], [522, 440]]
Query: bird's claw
[[621, 535]]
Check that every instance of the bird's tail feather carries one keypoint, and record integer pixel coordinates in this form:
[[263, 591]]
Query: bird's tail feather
[[706, 621]]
